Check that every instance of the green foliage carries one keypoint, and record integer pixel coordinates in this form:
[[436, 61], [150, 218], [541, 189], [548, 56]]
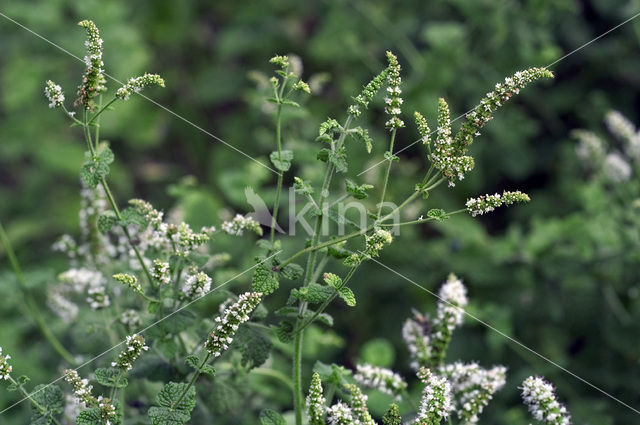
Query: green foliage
[[96, 166], [254, 344], [111, 377], [271, 417], [172, 410], [392, 416], [281, 161], [49, 398], [264, 279], [358, 191]]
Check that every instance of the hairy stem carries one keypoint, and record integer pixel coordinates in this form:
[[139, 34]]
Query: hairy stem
[[32, 307], [35, 403], [387, 172], [276, 203], [297, 341], [192, 381]]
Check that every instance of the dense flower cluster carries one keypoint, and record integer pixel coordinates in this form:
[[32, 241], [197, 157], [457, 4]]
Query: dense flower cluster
[[393, 100], [415, 333], [446, 157], [616, 168], [239, 224], [359, 406], [502, 92], [134, 347], [473, 387], [229, 321], [54, 94], [196, 285], [376, 241], [383, 380], [316, 409], [5, 367], [436, 403], [81, 387], [487, 203], [135, 85], [160, 272], [423, 128], [590, 149], [539, 395], [453, 299], [93, 81], [340, 414], [130, 280], [624, 129], [367, 94], [107, 410]]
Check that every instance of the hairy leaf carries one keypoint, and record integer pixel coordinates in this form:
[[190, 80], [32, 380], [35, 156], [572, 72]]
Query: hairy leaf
[[271, 417], [111, 377], [264, 279], [358, 191], [281, 162]]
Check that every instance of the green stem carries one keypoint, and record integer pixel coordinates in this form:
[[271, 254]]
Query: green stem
[[101, 110], [114, 206], [35, 403], [326, 302], [280, 174], [297, 342], [192, 381], [32, 307], [386, 175]]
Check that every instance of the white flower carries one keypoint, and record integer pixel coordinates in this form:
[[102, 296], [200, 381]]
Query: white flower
[[196, 285], [539, 395], [5, 367], [436, 403], [616, 168], [54, 94], [340, 414], [239, 224], [227, 324], [130, 318], [381, 379]]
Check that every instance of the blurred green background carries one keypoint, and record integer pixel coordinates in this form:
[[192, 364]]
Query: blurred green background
[[559, 274]]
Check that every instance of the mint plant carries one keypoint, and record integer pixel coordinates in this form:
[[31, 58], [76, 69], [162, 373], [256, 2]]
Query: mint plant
[[136, 273]]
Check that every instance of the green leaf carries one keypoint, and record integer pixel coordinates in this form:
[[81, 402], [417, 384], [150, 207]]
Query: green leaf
[[329, 127], [264, 280], [111, 377], [437, 215], [131, 215], [153, 307], [290, 103], [332, 374], [271, 417], [323, 154], [23, 379], [194, 362], [302, 187], [332, 280], [170, 411], [166, 416], [338, 251], [389, 156], [313, 293], [49, 397], [356, 190], [347, 295], [254, 345], [338, 158], [362, 135], [106, 221], [292, 271], [325, 318], [284, 331], [90, 416], [96, 167], [282, 161]]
